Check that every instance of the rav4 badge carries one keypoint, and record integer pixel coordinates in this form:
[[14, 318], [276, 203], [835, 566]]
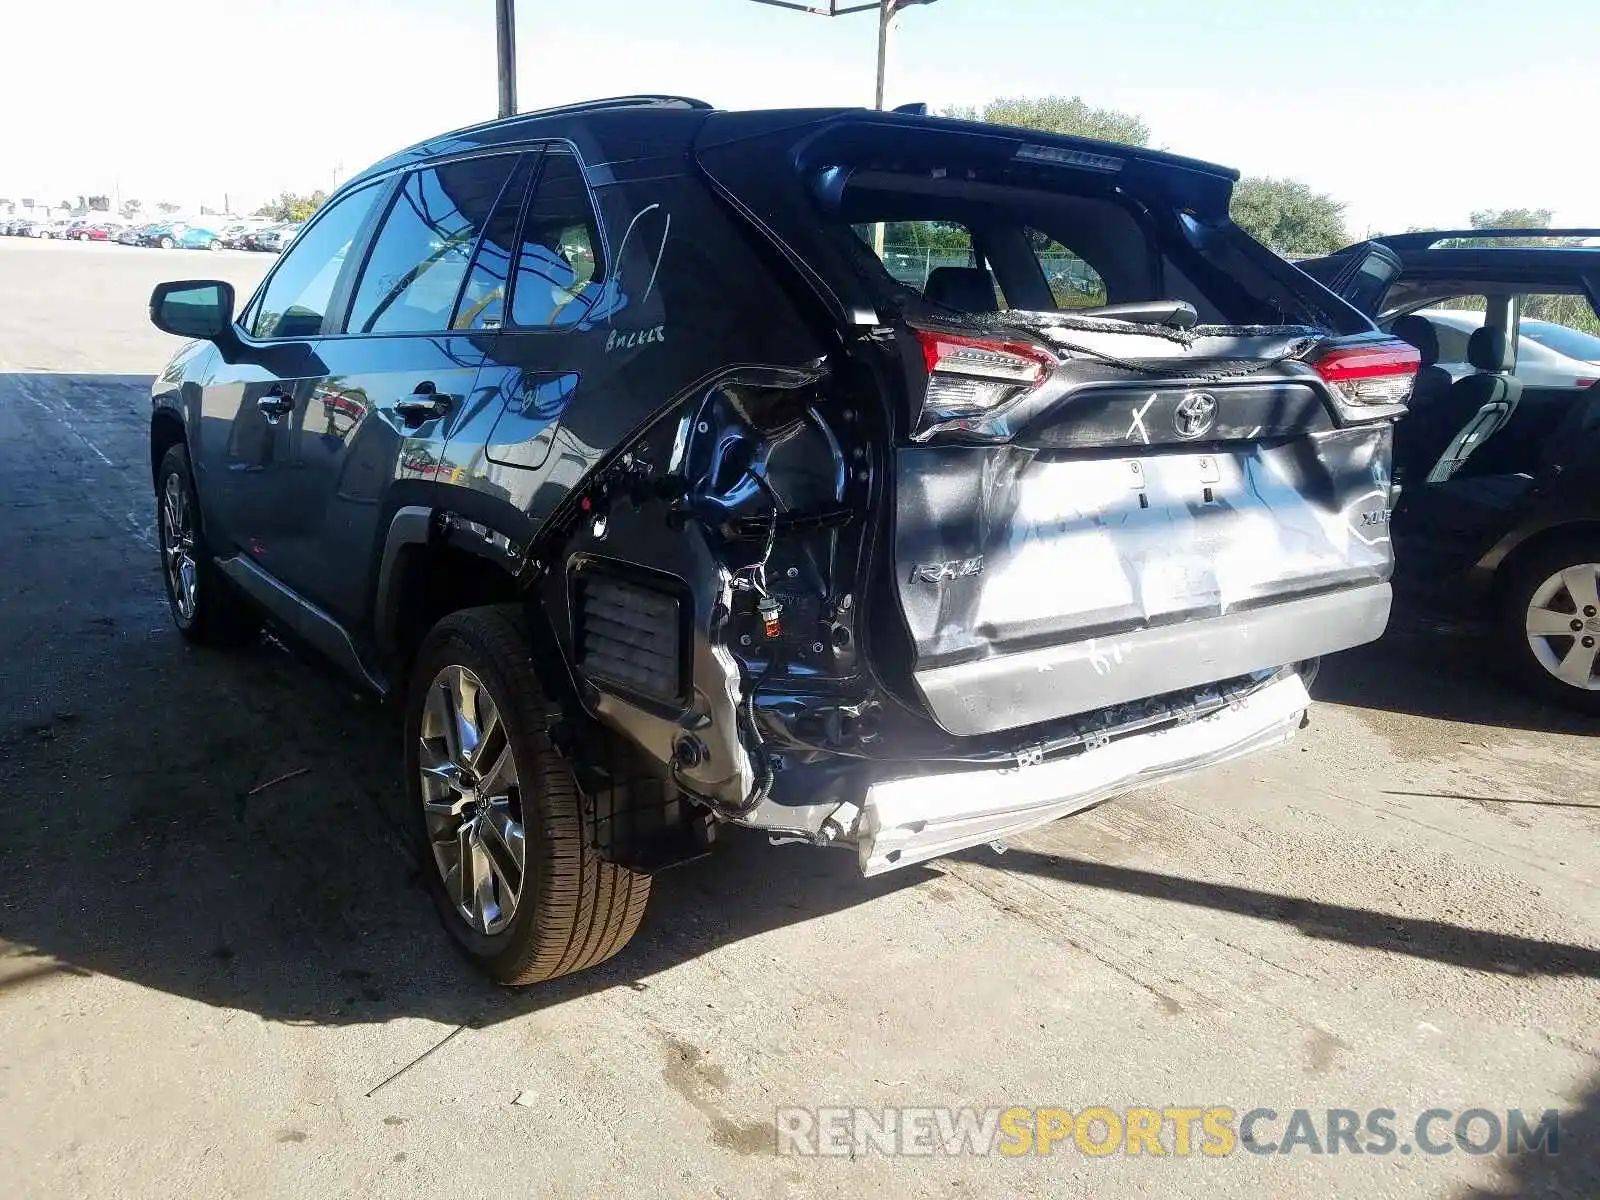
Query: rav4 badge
[[956, 568]]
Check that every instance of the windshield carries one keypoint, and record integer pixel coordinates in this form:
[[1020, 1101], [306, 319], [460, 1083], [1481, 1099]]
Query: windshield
[[1574, 343]]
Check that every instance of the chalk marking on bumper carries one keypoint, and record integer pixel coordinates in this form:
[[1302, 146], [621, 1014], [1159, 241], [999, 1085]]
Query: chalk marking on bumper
[[910, 820]]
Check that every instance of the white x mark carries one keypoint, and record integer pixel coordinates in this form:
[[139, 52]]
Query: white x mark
[[1138, 420]]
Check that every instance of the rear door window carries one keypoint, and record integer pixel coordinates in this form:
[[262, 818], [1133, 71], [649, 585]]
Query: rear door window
[[483, 299], [419, 259], [559, 267]]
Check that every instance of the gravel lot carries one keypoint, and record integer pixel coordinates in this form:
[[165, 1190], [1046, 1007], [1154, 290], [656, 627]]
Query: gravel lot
[[207, 989]]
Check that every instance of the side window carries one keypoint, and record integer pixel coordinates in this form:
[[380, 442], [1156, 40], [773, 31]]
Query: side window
[[1558, 341], [420, 256], [296, 297], [1073, 282], [483, 300], [559, 271]]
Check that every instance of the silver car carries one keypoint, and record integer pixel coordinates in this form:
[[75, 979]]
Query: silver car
[[1548, 354]]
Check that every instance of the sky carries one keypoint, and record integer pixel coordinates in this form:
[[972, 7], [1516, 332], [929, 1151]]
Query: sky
[[1412, 112]]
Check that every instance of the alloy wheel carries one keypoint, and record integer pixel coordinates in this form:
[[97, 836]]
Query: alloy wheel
[[1563, 625], [177, 545], [472, 800]]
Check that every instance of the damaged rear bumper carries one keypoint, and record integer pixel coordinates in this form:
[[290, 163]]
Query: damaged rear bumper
[[1013, 690], [910, 820]]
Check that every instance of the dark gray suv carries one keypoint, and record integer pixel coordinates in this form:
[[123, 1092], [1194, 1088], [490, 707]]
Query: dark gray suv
[[606, 441]]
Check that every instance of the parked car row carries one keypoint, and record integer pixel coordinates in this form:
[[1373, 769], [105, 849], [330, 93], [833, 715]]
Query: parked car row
[[168, 234]]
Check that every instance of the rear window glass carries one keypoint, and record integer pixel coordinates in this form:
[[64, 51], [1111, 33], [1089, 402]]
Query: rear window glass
[[912, 251], [963, 216]]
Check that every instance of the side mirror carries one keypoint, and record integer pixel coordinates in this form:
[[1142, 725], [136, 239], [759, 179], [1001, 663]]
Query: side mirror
[[193, 308]]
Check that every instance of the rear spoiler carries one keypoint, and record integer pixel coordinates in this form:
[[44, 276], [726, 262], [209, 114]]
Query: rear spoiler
[[1428, 239]]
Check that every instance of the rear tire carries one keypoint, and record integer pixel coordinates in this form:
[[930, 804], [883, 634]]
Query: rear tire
[[570, 909], [1552, 591], [216, 245], [204, 607]]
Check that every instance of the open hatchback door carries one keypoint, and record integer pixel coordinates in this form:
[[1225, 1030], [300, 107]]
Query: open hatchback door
[[1132, 451]]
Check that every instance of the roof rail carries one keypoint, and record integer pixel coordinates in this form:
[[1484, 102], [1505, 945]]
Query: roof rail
[[641, 101], [1424, 239]]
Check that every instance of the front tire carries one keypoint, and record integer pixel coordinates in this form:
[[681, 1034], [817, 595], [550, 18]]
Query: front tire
[[500, 821], [216, 245], [1550, 624], [203, 606], [166, 243]]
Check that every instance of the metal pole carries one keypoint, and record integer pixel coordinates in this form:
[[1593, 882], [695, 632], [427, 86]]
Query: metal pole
[[505, 14], [885, 12]]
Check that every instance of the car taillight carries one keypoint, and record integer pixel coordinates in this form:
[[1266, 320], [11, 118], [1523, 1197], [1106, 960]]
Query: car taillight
[[975, 377], [1370, 373]]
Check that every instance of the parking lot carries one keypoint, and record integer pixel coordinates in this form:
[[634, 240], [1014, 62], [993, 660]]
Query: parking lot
[[218, 976]]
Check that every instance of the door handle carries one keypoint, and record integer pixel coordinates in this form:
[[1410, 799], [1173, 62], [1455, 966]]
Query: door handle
[[276, 403], [424, 404]]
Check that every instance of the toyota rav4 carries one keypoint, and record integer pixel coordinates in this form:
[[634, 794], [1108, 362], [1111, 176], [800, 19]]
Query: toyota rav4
[[871, 479]]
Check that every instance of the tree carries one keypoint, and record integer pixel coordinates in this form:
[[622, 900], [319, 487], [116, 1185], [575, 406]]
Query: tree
[[130, 207], [1060, 114], [292, 207], [167, 208], [1511, 218], [1289, 217]]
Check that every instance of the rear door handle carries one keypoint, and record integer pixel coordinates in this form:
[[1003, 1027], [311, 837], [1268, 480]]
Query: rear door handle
[[276, 403], [424, 404]]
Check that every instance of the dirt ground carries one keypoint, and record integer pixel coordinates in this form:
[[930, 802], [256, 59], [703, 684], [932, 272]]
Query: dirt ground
[[213, 988]]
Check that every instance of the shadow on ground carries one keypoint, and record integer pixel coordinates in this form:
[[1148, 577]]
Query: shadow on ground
[[227, 827], [151, 860], [1571, 1173], [1447, 672], [143, 854]]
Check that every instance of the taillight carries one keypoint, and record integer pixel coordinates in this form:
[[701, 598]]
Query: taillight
[[1370, 373], [976, 377]]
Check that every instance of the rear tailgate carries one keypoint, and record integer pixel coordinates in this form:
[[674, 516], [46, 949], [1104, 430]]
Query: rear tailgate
[[1090, 511]]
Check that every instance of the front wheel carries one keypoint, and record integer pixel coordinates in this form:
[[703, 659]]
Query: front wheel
[[1550, 624], [500, 819], [216, 245], [203, 606], [166, 243]]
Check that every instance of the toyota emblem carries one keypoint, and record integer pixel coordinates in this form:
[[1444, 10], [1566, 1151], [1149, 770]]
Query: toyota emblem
[[1195, 415]]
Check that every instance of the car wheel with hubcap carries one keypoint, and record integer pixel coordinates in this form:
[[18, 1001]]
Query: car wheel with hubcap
[[506, 849], [215, 244], [1550, 622], [203, 606], [166, 243]]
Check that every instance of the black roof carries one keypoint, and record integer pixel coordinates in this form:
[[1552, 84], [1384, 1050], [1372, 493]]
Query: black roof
[[1419, 252], [625, 127]]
